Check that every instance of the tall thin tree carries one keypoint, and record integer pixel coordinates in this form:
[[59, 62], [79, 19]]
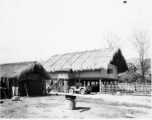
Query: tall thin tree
[[141, 43]]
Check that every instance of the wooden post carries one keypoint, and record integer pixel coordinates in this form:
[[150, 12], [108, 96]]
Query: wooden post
[[106, 86], [84, 84], [10, 88], [7, 81], [57, 83], [90, 83], [100, 85], [6, 89], [17, 87], [79, 77], [43, 87], [26, 90]]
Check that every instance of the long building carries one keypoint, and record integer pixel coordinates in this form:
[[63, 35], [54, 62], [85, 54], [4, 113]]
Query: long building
[[96, 68]]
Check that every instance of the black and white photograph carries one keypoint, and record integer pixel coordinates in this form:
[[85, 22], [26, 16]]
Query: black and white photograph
[[75, 59]]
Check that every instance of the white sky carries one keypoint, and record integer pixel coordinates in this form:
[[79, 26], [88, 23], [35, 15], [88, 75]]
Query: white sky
[[37, 29]]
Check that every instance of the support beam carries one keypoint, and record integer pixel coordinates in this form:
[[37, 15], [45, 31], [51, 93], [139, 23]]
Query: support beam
[[10, 88], [84, 84], [79, 77], [90, 83]]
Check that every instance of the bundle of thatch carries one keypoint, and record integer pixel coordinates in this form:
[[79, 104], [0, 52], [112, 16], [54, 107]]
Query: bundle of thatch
[[86, 60]]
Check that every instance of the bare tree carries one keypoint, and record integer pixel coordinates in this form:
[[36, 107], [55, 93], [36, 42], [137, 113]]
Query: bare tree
[[112, 39], [141, 42]]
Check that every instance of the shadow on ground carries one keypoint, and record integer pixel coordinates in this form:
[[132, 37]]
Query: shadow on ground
[[82, 109]]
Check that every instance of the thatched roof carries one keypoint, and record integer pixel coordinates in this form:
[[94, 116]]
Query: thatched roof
[[86, 60], [17, 70]]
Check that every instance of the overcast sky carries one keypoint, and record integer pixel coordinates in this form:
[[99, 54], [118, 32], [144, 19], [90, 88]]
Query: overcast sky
[[37, 29]]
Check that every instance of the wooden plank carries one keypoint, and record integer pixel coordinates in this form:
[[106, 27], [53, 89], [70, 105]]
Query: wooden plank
[[54, 84], [60, 93], [71, 94]]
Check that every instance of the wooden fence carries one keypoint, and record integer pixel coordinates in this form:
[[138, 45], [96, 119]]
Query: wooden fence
[[128, 88]]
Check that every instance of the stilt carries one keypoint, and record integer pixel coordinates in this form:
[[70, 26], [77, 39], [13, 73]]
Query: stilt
[[90, 83], [79, 78]]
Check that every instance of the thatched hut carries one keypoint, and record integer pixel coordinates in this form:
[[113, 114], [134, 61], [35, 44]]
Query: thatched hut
[[96, 67], [28, 76]]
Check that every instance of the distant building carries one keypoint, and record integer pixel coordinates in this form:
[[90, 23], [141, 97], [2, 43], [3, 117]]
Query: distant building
[[96, 68]]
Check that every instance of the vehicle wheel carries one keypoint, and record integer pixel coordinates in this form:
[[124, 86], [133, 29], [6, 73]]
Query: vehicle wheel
[[71, 91], [82, 91]]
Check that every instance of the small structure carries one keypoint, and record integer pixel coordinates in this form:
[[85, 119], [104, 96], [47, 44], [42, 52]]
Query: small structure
[[26, 78], [96, 68]]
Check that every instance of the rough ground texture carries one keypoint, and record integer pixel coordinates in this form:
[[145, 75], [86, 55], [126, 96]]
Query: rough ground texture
[[54, 107]]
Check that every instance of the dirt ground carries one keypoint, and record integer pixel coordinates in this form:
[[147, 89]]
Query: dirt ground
[[54, 107]]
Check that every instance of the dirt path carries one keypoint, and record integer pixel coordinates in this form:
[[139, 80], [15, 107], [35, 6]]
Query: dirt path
[[54, 107]]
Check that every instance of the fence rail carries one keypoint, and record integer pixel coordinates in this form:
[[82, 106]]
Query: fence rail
[[126, 88]]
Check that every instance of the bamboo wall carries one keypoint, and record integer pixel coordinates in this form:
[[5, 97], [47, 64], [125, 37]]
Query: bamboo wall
[[102, 73], [97, 73], [34, 84]]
